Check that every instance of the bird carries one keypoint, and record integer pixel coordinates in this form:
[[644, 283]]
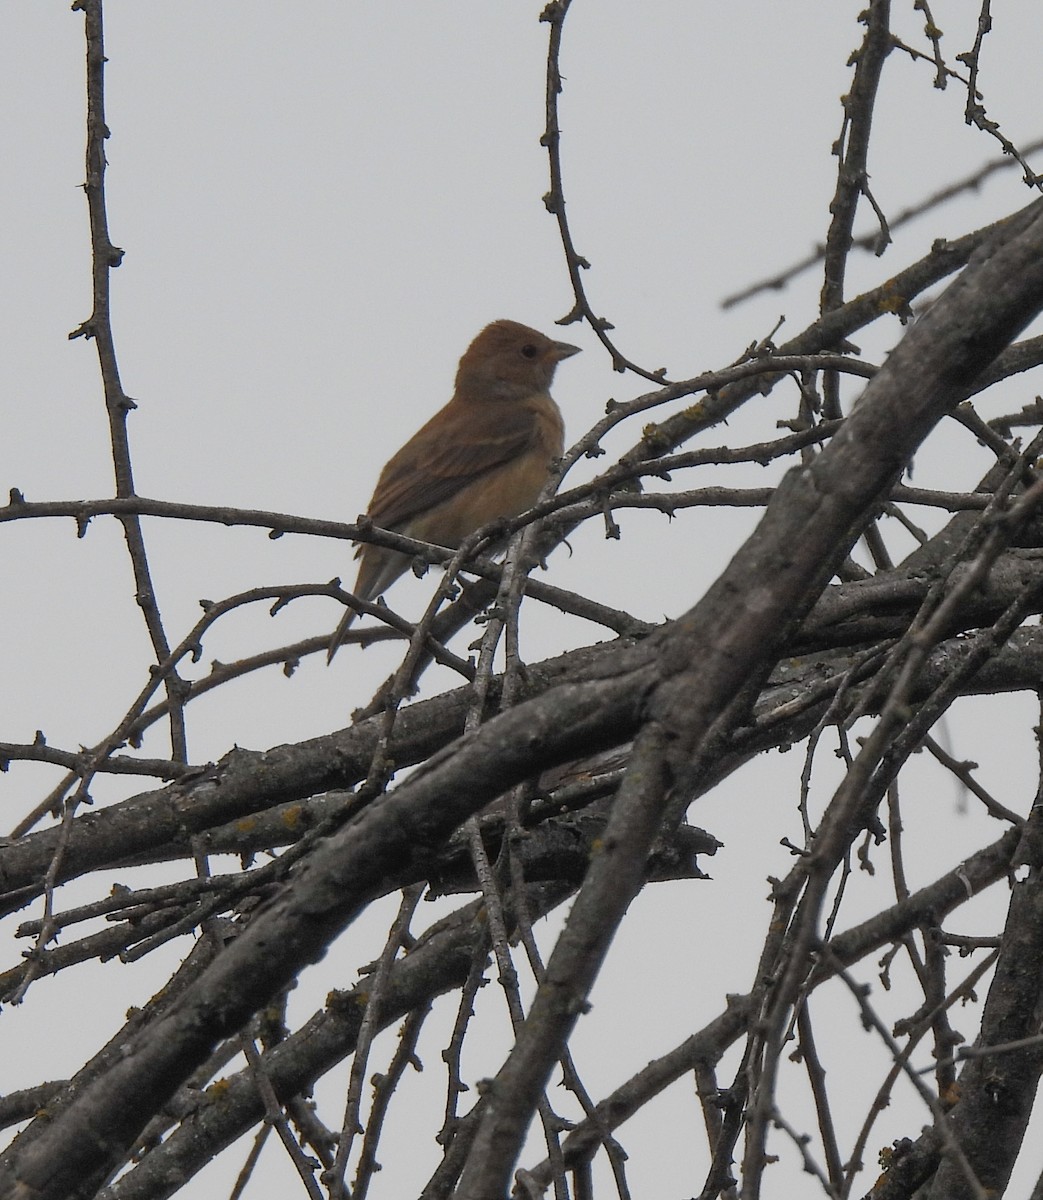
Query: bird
[[485, 455]]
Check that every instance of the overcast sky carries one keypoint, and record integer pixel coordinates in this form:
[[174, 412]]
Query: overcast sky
[[320, 205]]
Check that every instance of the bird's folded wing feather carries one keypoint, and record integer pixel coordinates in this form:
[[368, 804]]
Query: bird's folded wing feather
[[455, 448]]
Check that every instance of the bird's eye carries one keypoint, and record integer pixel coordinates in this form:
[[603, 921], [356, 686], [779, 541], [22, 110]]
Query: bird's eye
[[529, 350]]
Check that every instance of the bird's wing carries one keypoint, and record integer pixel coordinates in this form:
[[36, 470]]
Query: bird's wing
[[457, 446]]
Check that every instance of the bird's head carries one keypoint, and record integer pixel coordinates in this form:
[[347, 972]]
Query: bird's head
[[508, 361]]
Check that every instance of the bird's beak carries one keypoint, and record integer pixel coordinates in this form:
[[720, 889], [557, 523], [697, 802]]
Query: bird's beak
[[560, 350]]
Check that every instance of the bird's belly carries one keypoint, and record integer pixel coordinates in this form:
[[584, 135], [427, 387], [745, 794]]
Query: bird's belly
[[504, 492]]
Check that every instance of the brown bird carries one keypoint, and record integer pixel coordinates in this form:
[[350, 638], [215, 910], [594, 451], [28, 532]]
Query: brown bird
[[485, 455]]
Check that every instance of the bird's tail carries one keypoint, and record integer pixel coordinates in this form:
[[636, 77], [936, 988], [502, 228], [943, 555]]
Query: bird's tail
[[345, 624]]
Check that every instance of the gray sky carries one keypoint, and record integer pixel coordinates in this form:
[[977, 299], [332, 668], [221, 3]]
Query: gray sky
[[320, 205]]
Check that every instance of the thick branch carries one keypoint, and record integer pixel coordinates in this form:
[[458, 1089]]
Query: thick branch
[[729, 641]]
